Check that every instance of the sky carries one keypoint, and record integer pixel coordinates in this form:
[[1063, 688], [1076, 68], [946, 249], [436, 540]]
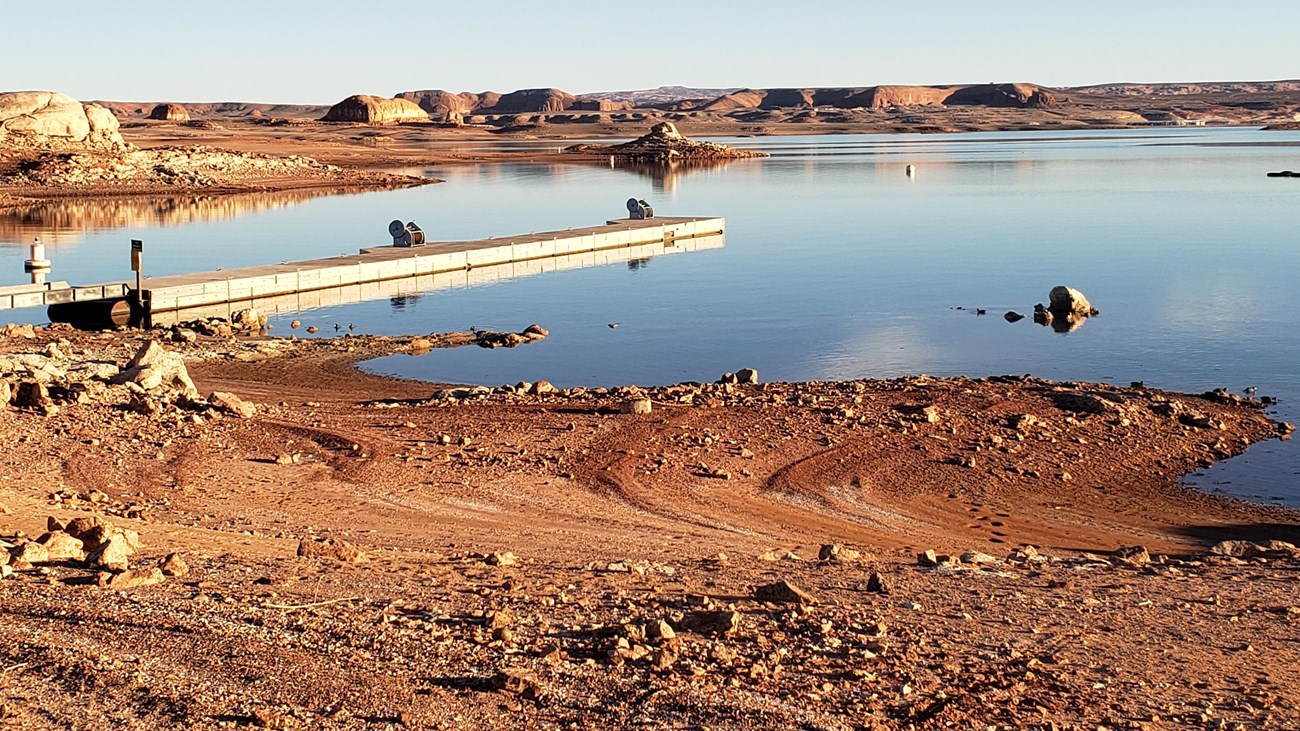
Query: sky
[[319, 52]]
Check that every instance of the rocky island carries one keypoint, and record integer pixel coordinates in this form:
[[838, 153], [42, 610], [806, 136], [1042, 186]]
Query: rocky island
[[663, 143]]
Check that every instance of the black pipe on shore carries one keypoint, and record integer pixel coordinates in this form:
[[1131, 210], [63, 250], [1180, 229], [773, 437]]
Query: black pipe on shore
[[98, 314]]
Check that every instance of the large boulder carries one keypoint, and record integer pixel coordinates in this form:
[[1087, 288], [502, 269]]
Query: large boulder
[[154, 368], [375, 110], [48, 119], [170, 113]]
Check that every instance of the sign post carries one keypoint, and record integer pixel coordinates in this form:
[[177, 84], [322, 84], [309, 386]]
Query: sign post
[[137, 260]]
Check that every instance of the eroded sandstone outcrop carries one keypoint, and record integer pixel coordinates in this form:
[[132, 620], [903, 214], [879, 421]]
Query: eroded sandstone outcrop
[[50, 120], [375, 110], [170, 113]]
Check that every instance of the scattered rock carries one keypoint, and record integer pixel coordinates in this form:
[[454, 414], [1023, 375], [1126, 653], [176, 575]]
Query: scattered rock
[[747, 375], [877, 584], [331, 548], [34, 396], [660, 630], [62, 546], [978, 559], [518, 681], [173, 565], [30, 552], [80, 528], [636, 406], [1023, 554], [113, 553], [783, 592], [131, 578], [1132, 555], [835, 553], [248, 319], [230, 403], [498, 558], [715, 623], [1022, 422], [927, 558]]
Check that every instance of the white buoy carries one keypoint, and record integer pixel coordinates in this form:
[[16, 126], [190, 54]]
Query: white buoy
[[911, 170], [37, 265]]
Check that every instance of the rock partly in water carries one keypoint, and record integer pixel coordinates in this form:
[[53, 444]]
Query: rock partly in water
[[1064, 300]]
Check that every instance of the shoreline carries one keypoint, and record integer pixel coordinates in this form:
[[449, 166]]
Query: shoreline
[[357, 551], [368, 155]]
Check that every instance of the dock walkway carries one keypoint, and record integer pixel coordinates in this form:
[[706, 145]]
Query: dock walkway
[[385, 271], [187, 291]]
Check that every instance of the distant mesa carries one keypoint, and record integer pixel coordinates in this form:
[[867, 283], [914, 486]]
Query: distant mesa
[[444, 106], [665, 144], [525, 101], [884, 97], [1191, 88], [375, 110], [170, 113], [48, 119]]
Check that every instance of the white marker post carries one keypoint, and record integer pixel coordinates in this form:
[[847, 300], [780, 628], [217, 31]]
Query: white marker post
[[37, 265]]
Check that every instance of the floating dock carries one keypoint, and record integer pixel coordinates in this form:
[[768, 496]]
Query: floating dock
[[388, 271]]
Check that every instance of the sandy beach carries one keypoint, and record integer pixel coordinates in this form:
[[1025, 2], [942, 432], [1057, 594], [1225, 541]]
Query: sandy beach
[[918, 552]]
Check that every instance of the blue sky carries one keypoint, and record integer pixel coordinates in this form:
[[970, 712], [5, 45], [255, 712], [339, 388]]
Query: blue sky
[[319, 52]]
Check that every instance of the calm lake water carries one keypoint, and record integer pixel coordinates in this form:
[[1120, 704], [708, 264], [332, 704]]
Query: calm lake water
[[836, 264]]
